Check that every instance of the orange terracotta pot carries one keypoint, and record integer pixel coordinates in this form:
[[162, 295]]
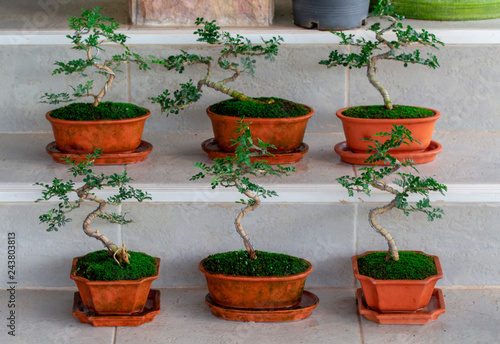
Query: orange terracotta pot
[[241, 292], [388, 296], [112, 136], [286, 134], [114, 297], [356, 129]]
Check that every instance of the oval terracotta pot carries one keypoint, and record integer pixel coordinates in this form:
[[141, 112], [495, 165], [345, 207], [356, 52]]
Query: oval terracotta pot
[[286, 134], [114, 297], [356, 129], [388, 296], [112, 136], [256, 292]]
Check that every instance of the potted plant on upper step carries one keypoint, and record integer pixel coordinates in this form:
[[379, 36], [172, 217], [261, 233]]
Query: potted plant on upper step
[[113, 281], [330, 14], [81, 128], [361, 122], [394, 282], [279, 122], [250, 285]]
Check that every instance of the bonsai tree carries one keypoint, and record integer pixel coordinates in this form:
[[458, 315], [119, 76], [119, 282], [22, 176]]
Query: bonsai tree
[[382, 48], [372, 177], [234, 172], [91, 32], [232, 47], [57, 217]]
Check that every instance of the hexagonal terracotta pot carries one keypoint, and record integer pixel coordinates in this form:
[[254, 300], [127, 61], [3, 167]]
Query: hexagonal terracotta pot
[[114, 297], [112, 136], [357, 129], [388, 296], [256, 292], [286, 134]]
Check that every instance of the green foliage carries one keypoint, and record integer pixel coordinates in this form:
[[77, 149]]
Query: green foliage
[[233, 171], [91, 31], [104, 111], [268, 264], [100, 266], [382, 48], [232, 47], [380, 111], [410, 184], [410, 266], [56, 217], [265, 108]]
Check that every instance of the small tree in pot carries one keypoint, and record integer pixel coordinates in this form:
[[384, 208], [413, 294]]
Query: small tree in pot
[[92, 33], [390, 49], [115, 264], [226, 113], [393, 266], [247, 279]]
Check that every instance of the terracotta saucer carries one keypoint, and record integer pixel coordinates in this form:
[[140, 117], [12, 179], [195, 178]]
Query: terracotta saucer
[[210, 147], [140, 154], [351, 157], [431, 312], [151, 309], [300, 311]]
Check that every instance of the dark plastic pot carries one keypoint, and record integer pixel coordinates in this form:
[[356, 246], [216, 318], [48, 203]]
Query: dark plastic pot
[[330, 14]]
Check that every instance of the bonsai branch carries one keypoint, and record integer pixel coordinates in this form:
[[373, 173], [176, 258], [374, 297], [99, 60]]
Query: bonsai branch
[[393, 250]]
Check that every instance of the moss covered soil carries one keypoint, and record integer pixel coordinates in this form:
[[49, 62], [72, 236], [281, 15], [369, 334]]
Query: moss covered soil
[[238, 263], [381, 112], [100, 266], [275, 108], [103, 111], [410, 266]]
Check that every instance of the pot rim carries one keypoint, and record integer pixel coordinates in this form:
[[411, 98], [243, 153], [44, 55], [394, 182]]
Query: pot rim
[[308, 115], [358, 276], [436, 116], [118, 282], [104, 121], [259, 278]]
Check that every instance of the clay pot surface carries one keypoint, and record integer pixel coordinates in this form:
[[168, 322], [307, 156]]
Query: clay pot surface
[[112, 136], [286, 134], [388, 296], [356, 129], [242, 292], [114, 297]]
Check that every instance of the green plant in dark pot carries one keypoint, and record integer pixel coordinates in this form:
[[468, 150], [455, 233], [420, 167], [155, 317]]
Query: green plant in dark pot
[[250, 279], [393, 265], [78, 127], [260, 111], [389, 40], [115, 263]]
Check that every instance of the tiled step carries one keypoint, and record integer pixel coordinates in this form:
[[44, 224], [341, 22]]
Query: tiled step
[[45, 317]]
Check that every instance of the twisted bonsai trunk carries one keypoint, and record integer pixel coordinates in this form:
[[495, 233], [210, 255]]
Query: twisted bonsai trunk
[[237, 222], [119, 253]]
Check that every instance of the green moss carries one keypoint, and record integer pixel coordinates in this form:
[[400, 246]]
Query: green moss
[[410, 266], [100, 266], [267, 264], [279, 108], [103, 111], [380, 112]]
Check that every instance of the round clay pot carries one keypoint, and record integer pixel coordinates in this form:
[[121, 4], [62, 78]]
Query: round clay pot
[[286, 134], [256, 292], [112, 136], [388, 296], [114, 297], [356, 129]]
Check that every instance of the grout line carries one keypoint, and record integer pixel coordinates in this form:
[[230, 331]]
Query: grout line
[[361, 334], [348, 82], [129, 92], [115, 334]]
